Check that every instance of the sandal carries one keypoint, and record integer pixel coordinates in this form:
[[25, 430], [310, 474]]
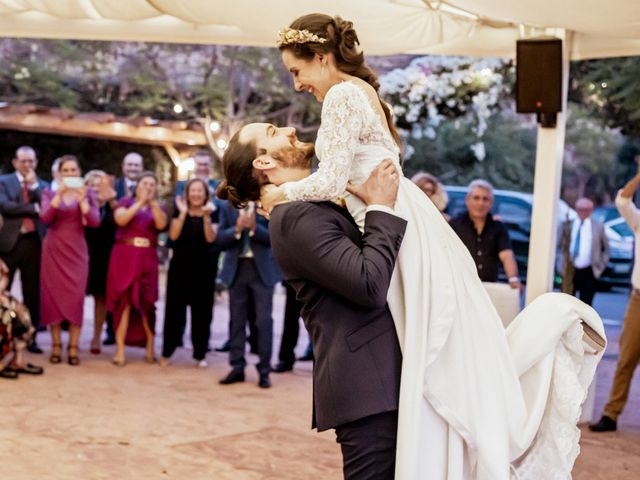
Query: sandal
[[56, 356], [73, 360], [150, 359], [119, 363]]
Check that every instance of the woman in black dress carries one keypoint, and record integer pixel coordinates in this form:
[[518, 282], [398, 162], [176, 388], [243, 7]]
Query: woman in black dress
[[191, 277], [100, 241]]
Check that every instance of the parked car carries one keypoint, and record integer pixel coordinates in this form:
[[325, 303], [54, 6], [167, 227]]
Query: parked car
[[620, 236], [604, 213], [514, 210]]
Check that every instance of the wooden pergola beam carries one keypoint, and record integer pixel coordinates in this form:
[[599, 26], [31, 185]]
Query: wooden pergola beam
[[34, 119]]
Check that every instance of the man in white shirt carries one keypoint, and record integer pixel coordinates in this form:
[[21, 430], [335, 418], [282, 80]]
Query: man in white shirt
[[588, 251], [629, 355]]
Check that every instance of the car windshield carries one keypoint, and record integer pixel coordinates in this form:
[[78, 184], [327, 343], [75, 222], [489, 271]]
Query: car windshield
[[621, 228], [604, 214]]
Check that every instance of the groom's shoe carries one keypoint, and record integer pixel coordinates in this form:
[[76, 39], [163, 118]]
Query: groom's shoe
[[606, 424], [234, 376]]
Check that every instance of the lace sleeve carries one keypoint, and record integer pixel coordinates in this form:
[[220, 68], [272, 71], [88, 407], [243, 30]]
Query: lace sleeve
[[342, 121]]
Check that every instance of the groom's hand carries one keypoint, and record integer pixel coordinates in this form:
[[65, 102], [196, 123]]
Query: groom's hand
[[381, 188]]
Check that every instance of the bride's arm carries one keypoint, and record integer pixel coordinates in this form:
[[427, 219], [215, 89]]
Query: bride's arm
[[341, 126]]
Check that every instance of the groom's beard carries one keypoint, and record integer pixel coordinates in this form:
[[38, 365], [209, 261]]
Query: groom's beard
[[299, 156]]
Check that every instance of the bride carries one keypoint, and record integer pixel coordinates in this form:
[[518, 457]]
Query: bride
[[475, 403]]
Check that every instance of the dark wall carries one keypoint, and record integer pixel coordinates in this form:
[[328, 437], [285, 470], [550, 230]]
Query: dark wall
[[93, 153]]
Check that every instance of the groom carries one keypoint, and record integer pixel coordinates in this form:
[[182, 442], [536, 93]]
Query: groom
[[341, 278]]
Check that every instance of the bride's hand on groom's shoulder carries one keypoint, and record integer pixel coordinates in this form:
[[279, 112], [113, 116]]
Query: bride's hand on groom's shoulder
[[270, 196], [381, 188]]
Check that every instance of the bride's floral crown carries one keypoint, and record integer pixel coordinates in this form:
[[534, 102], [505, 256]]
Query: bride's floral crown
[[288, 36]]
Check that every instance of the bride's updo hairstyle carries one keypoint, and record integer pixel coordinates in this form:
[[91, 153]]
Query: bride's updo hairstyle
[[340, 38], [240, 184]]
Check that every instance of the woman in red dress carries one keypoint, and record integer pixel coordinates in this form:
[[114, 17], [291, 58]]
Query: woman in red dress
[[65, 259], [132, 282]]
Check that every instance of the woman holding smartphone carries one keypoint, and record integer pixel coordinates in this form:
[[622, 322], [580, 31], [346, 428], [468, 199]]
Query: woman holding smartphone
[[65, 257], [132, 281]]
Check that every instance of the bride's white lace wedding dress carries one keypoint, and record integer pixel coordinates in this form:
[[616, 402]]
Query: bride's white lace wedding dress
[[476, 402]]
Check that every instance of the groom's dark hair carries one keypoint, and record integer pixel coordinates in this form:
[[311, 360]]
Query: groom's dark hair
[[241, 183]]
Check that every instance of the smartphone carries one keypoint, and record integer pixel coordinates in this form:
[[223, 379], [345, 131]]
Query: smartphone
[[73, 182]]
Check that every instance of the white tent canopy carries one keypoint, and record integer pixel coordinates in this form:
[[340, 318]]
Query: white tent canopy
[[589, 29], [462, 27]]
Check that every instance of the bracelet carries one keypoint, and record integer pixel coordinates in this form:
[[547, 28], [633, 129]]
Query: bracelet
[[514, 279]]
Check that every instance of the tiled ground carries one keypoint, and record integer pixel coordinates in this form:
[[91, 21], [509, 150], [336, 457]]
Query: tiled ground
[[142, 421]]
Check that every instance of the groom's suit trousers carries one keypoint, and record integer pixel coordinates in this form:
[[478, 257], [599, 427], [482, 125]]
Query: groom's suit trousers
[[369, 447]]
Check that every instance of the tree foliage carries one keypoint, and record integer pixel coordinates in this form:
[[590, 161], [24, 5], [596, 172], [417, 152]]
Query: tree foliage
[[611, 89], [508, 151], [590, 167], [229, 84], [456, 114]]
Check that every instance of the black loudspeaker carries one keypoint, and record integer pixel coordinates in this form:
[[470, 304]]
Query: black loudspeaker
[[539, 76]]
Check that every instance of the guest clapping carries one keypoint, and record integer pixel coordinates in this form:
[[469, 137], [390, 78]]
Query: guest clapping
[[132, 281], [100, 242], [65, 257], [192, 271]]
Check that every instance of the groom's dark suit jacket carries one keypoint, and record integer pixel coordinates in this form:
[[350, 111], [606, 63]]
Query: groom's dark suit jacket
[[342, 278]]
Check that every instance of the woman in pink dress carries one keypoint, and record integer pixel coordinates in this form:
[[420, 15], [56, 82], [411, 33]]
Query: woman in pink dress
[[132, 281], [65, 259]]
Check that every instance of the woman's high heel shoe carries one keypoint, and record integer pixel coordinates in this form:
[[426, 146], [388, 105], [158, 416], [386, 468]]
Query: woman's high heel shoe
[[73, 360], [55, 356], [95, 348]]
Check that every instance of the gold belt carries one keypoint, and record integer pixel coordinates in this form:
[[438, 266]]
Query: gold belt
[[140, 242]]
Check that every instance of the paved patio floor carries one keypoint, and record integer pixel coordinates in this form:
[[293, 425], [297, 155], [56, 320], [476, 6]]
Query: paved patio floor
[[98, 421]]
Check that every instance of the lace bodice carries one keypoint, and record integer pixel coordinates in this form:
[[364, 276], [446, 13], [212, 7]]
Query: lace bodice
[[351, 142]]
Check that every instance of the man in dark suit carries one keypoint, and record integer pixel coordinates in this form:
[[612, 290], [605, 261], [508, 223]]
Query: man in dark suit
[[250, 272], [290, 331], [22, 232], [132, 167], [342, 279]]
